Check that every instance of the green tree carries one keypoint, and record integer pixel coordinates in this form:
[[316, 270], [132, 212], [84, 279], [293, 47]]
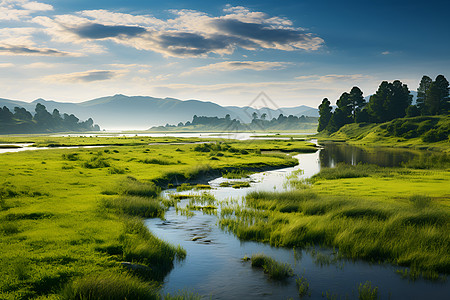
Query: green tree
[[437, 97], [389, 102], [422, 90], [42, 117], [357, 101], [324, 114], [21, 113], [343, 113]]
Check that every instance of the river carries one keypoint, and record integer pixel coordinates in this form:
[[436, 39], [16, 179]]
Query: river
[[214, 267]]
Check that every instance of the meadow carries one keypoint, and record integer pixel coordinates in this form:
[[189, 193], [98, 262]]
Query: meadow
[[395, 215], [71, 219]]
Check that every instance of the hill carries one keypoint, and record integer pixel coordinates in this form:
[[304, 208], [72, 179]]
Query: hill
[[425, 132], [139, 112]]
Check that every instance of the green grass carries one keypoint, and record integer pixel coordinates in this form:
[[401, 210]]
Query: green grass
[[405, 227], [275, 270], [62, 221], [366, 292], [429, 132], [109, 286], [302, 286], [236, 174]]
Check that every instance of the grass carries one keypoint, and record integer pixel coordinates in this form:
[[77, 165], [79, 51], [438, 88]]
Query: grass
[[405, 228], [109, 286], [275, 270], [426, 132], [366, 292], [302, 286], [235, 184], [64, 221], [236, 174]]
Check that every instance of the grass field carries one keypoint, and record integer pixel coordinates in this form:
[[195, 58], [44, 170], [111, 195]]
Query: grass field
[[426, 132], [70, 213], [395, 215]]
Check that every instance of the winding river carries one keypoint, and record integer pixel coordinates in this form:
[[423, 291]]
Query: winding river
[[214, 267]]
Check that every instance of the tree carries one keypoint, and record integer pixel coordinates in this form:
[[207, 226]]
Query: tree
[[399, 100], [263, 116], [6, 115], [43, 118], [357, 101], [254, 115], [389, 102], [422, 90], [21, 113], [437, 97], [324, 114], [343, 113]]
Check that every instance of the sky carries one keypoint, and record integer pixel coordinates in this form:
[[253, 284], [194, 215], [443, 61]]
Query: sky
[[297, 52]]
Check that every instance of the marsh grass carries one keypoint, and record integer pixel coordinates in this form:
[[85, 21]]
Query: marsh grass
[[367, 292], [236, 174], [275, 270], [140, 246], [135, 206], [133, 187], [375, 231], [420, 201], [9, 228], [109, 286], [157, 161], [343, 170], [302, 287]]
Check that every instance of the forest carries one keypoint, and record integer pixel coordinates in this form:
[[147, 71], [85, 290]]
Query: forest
[[22, 121], [392, 101], [258, 123]]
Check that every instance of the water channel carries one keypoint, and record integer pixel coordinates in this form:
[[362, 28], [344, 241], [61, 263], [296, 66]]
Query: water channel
[[214, 267]]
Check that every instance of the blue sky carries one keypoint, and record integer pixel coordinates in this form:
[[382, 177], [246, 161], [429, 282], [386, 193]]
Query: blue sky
[[297, 52]]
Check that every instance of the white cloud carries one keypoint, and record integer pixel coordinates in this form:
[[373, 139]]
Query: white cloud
[[190, 33], [18, 10], [239, 65], [6, 65], [37, 6], [86, 76]]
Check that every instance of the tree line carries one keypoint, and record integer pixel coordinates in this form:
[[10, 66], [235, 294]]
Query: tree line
[[22, 121], [259, 122], [392, 100]]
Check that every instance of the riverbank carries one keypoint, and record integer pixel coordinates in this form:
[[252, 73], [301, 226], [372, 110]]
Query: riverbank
[[395, 215], [422, 133], [55, 228]]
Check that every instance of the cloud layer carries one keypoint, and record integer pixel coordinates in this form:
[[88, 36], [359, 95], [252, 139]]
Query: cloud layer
[[189, 33]]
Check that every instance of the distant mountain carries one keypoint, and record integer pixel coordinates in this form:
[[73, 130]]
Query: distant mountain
[[139, 112]]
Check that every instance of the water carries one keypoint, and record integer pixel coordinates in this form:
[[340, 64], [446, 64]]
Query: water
[[211, 135], [334, 153], [213, 266], [28, 147]]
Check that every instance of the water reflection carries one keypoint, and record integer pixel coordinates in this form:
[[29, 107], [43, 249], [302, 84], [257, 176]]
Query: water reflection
[[334, 153]]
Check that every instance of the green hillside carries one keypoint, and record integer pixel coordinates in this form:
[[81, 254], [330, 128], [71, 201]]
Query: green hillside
[[426, 132]]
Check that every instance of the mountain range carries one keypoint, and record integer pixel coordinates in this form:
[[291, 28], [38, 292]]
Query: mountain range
[[122, 112]]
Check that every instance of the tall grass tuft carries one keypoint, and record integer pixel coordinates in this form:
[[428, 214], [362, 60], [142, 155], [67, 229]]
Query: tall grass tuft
[[140, 246], [343, 170], [135, 206], [109, 286], [302, 286], [366, 292], [133, 187], [274, 269], [420, 201]]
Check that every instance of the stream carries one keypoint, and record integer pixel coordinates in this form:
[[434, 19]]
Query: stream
[[214, 267]]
